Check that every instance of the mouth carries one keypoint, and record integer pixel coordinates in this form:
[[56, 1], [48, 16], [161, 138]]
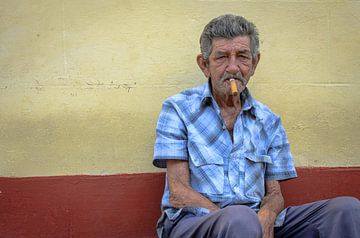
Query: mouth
[[238, 77], [234, 79]]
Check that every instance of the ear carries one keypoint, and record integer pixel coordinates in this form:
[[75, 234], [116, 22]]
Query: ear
[[203, 65], [255, 62]]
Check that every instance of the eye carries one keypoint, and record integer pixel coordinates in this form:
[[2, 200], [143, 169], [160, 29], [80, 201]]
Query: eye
[[221, 58], [243, 56]]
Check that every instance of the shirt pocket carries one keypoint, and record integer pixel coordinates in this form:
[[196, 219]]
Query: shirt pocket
[[206, 169], [255, 168]]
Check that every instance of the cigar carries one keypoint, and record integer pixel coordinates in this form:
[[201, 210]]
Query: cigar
[[234, 89]]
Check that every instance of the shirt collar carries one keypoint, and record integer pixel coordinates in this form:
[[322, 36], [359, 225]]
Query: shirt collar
[[207, 95], [246, 100]]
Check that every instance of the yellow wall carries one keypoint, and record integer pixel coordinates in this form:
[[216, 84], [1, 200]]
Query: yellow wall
[[82, 82]]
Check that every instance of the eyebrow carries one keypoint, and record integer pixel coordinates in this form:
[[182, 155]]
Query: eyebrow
[[220, 52], [244, 51]]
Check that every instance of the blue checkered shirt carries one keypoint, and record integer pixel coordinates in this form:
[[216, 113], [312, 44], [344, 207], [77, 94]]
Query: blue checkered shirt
[[191, 128]]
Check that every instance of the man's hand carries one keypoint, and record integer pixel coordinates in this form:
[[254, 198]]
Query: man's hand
[[267, 221], [181, 192], [271, 206]]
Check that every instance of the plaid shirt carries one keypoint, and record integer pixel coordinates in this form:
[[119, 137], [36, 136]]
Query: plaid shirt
[[191, 128]]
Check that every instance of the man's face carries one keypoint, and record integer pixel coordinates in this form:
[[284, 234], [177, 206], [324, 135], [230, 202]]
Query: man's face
[[230, 58]]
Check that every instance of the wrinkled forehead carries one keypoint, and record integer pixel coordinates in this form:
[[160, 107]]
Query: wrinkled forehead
[[239, 43]]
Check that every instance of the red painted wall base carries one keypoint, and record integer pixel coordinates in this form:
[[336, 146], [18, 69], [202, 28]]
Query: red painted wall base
[[126, 205]]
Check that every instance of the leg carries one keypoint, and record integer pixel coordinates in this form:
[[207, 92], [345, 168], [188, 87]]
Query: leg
[[230, 222], [338, 217]]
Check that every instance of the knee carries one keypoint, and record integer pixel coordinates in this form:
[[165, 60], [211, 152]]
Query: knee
[[347, 206], [344, 204], [236, 220]]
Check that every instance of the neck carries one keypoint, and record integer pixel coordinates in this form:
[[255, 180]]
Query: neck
[[230, 107]]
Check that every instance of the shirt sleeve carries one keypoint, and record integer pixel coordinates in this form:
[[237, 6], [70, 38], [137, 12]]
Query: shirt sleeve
[[171, 136], [282, 166]]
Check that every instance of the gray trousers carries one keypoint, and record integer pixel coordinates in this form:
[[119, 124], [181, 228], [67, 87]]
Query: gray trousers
[[333, 218]]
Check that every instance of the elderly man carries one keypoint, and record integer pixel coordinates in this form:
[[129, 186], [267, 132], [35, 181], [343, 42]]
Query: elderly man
[[225, 154]]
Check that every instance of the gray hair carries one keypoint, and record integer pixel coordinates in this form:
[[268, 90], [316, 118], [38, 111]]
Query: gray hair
[[228, 26]]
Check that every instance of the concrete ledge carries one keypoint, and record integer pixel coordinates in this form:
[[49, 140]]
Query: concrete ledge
[[126, 205]]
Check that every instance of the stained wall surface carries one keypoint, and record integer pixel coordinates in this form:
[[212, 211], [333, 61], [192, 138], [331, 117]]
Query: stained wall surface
[[82, 82]]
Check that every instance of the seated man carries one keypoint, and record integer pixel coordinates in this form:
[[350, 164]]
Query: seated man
[[225, 154]]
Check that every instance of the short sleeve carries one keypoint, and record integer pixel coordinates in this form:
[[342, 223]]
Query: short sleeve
[[282, 166], [171, 136]]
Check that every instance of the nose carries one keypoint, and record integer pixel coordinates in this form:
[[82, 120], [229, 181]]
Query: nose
[[232, 66]]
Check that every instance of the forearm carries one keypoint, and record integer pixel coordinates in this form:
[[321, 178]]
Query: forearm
[[181, 192], [187, 197], [271, 205]]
